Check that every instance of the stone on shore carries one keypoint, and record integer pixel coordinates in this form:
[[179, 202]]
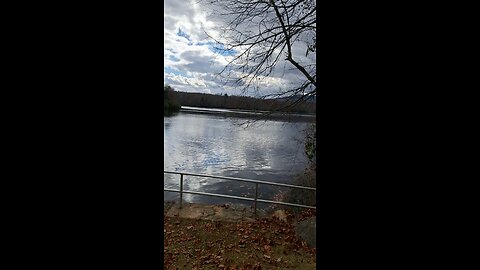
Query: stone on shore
[[307, 231]]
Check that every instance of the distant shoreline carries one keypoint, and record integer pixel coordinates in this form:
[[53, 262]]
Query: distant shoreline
[[262, 115]]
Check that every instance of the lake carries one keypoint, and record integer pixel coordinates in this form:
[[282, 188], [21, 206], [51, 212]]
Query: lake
[[205, 141]]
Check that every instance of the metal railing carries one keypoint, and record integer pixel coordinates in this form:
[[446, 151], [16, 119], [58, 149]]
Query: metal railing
[[255, 199]]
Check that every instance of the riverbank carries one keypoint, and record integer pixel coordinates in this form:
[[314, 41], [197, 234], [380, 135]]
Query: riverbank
[[207, 243]]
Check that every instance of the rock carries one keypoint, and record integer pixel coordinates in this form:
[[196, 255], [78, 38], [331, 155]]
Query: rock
[[280, 214], [306, 230]]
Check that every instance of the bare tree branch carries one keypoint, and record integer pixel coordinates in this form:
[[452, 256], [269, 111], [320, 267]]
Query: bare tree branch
[[257, 33]]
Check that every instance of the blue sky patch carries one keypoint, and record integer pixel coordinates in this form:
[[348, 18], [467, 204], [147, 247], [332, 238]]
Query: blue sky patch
[[174, 71], [174, 58], [219, 49], [204, 43], [181, 33]]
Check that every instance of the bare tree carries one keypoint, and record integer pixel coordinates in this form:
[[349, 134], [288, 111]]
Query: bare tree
[[264, 36]]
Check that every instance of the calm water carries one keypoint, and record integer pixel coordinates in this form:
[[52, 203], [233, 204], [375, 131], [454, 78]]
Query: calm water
[[214, 144]]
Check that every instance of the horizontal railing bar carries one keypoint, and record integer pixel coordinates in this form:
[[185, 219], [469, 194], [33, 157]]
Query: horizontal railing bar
[[210, 194], [219, 195], [241, 179], [240, 198]]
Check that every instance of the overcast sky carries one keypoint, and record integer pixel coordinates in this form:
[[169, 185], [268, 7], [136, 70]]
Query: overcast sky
[[190, 61]]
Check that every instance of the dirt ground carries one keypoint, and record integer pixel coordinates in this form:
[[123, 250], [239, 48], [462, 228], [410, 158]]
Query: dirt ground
[[223, 237]]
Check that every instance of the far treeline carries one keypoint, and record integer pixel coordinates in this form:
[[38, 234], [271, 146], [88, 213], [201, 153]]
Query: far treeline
[[170, 104], [174, 99]]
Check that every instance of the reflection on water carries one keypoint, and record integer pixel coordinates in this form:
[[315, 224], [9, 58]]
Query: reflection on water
[[212, 144]]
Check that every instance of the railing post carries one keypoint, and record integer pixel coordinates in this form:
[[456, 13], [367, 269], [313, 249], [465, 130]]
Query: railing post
[[256, 195], [181, 190]]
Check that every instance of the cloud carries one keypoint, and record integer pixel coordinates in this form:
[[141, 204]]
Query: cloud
[[192, 62]]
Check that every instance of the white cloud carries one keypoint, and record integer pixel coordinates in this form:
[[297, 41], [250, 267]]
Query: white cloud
[[192, 67]]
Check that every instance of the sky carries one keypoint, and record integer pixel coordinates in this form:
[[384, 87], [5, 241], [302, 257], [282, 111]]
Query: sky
[[191, 61]]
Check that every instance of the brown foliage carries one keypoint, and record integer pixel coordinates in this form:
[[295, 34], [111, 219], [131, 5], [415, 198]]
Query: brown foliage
[[267, 243]]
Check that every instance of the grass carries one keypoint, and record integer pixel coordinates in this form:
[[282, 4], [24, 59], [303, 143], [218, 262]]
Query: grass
[[264, 244]]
